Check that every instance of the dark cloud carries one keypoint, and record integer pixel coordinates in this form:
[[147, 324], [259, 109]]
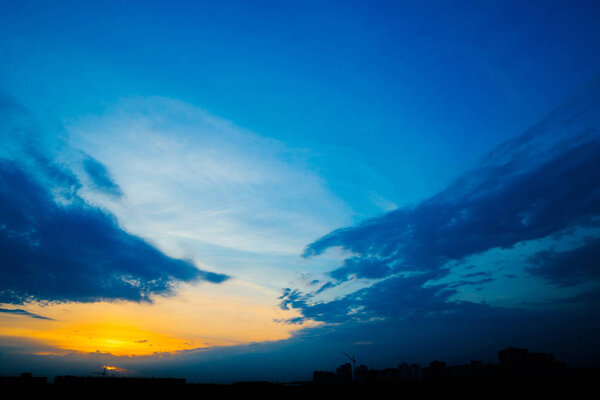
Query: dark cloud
[[542, 182], [585, 298], [75, 252], [101, 178], [325, 286], [568, 268], [18, 311], [291, 321], [359, 267], [54, 246], [501, 212], [531, 205], [398, 297], [292, 298]]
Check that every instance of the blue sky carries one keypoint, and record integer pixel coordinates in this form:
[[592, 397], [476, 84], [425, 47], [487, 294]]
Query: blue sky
[[354, 170], [326, 77]]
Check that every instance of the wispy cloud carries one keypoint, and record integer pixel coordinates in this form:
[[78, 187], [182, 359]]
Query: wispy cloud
[[190, 177], [18, 311]]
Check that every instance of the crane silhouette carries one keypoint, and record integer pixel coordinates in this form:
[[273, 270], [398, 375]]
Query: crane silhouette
[[353, 359]]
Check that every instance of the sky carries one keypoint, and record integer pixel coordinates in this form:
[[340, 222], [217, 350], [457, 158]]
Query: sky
[[234, 190]]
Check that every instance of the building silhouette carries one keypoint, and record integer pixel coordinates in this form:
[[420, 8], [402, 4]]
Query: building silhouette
[[514, 364], [25, 381], [520, 363], [344, 373]]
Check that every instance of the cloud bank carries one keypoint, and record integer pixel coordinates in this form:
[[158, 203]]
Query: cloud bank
[[542, 184]]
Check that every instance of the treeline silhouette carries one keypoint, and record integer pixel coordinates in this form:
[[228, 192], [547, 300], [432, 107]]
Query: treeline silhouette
[[517, 369]]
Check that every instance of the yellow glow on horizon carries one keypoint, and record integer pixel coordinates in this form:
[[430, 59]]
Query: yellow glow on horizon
[[195, 318], [116, 339], [119, 340], [113, 369]]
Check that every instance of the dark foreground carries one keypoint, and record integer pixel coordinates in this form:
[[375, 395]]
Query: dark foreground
[[574, 384], [519, 373]]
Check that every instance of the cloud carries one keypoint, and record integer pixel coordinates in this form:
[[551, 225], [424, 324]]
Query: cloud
[[542, 182], [101, 177], [57, 247], [400, 297], [18, 311], [325, 286], [75, 252], [500, 212], [545, 182], [358, 267], [191, 179], [585, 298], [568, 268]]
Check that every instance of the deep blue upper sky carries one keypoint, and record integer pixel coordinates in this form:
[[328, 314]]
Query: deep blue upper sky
[[379, 168], [417, 92]]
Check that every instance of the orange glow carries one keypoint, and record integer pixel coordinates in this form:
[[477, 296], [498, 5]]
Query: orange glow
[[113, 369], [116, 339], [213, 316]]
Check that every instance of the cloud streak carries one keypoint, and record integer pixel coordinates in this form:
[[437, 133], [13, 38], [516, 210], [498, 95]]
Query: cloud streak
[[18, 311]]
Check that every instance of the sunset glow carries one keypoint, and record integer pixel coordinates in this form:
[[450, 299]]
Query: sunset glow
[[133, 329]]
